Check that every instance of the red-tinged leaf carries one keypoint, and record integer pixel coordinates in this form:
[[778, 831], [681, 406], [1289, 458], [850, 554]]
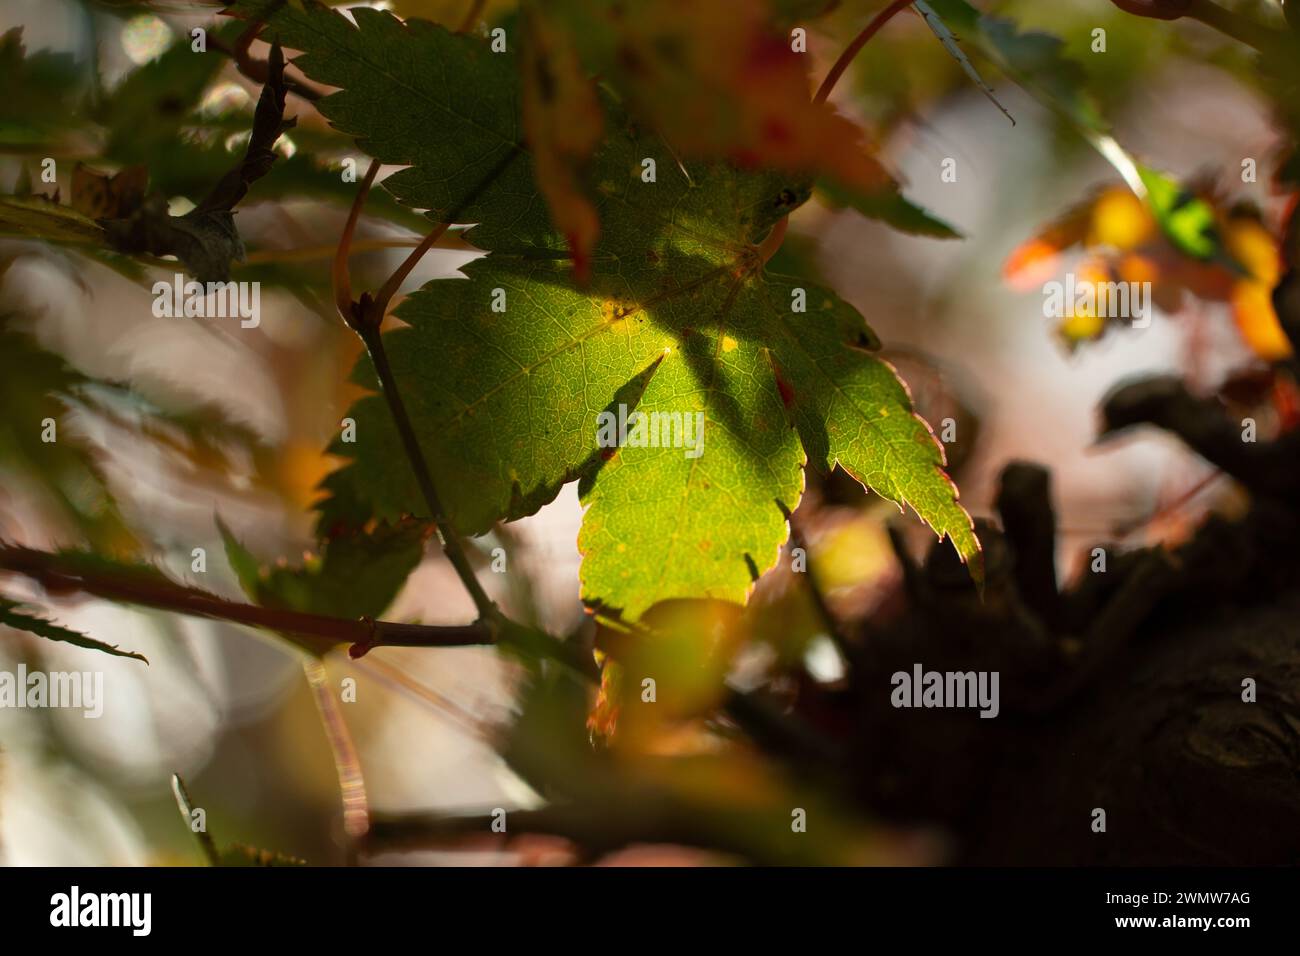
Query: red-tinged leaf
[[563, 125]]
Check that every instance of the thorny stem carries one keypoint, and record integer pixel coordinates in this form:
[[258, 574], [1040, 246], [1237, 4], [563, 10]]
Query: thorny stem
[[57, 576], [852, 50], [186, 807]]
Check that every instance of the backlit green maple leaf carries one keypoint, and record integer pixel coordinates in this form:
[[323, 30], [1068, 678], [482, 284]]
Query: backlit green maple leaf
[[505, 372]]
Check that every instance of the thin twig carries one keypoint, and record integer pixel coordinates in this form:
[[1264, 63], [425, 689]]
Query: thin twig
[[186, 807], [394, 281], [833, 627], [375, 308], [1128, 528], [365, 317], [400, 682], [256, 70], [852, 50], [57, 575]]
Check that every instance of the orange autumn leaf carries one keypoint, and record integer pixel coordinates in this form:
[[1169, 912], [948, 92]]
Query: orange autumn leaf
[[717, 82], [602, 720], [668, 674], [1254, 248], [1252, 311], [1031, 264], [1037, 260], [1136, 267]]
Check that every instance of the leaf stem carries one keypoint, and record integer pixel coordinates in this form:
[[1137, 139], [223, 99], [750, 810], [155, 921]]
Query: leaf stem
[[852, 50], [258, 70], [340, 276], [452, 546], [365, 316], [394, 281], [375, 308], [772, 241]]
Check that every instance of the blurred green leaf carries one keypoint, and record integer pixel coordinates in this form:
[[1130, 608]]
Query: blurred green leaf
[[1186, 220], [35, 217], [891, 207], [36, 388], [38, 89], [1035, 60], [357, 575], [729, 801]]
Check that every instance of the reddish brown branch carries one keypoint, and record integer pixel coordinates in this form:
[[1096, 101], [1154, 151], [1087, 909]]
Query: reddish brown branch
[[58, 575]]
